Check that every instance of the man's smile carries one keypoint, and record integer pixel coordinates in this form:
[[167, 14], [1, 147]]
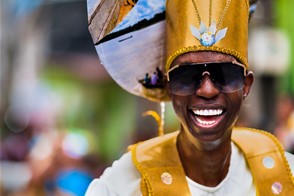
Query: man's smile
[[208, 118]]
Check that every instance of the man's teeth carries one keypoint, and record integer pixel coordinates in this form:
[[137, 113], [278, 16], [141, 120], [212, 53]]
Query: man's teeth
[[206, 122], [208, 112]]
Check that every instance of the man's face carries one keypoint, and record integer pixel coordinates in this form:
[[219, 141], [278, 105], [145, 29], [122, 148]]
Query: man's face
[[208, 114]]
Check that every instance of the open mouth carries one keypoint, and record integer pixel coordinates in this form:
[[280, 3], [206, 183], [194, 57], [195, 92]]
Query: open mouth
[[208, 118]]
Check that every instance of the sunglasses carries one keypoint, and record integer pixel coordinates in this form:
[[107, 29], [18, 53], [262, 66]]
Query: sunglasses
[[185, 79]]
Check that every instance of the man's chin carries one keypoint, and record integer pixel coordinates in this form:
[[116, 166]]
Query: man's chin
[[210, 141]]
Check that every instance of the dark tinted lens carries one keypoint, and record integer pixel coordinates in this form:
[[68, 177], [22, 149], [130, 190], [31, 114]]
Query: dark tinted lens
[[228, 77], [185, 79]]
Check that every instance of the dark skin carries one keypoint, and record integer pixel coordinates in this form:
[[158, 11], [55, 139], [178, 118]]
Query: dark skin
[[205, 151]]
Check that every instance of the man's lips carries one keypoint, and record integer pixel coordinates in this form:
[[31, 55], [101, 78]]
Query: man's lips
[[208, 118]]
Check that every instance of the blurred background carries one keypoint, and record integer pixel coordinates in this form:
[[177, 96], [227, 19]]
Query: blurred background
[[63, 119]]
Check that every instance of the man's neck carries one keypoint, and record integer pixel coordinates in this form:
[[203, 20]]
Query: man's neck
[[206, 167]]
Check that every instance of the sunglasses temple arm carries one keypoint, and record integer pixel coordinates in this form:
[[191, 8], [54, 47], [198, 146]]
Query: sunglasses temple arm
[[237, 63], [167, 73]]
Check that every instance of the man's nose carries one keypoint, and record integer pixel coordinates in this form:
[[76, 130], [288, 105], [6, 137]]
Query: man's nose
[[207, 89]]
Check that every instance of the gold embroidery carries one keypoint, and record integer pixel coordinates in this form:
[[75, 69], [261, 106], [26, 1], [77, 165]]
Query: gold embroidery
[[205, 48], [138, 166], [210, 12]]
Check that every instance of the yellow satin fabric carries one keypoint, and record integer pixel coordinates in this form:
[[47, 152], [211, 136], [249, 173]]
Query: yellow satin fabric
[[159, 155], [181, 14], [256, 146]]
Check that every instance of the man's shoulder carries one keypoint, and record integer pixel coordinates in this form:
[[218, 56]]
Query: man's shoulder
[[123, 165], [255, 141], [122, 178]]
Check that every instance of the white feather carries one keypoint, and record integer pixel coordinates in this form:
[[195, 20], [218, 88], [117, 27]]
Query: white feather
[[202, 28], [220, 34], [212, 28], [195, 32]]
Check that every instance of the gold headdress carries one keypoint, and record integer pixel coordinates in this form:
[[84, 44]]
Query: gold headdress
[[210, 25], [130, 36]]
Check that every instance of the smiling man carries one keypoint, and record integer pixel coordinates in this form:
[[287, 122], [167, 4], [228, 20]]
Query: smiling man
[[207, 79]]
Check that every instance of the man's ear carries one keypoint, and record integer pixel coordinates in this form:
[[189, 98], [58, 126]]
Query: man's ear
[[249, 78]]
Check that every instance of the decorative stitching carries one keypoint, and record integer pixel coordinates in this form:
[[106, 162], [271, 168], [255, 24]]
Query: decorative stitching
[[205, 48], [138, 166], [248, 4]]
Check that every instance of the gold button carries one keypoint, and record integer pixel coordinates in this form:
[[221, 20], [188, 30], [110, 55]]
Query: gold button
[[277, 188], [268, 162], [166, 178]]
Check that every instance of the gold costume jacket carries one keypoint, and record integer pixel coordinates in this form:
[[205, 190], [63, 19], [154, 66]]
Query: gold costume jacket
[[162, 173]]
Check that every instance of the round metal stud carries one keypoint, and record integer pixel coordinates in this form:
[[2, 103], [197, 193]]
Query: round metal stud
[[277, 188], [166, 178], [268, 162]]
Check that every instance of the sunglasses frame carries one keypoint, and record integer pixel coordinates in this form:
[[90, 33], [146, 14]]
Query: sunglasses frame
[[205, 64]]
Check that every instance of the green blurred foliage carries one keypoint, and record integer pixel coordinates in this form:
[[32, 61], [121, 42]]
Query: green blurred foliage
[[284, 20], [102, 108]]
